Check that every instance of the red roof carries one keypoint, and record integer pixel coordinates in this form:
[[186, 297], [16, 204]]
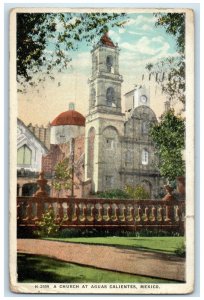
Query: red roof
[[70, 117], [107, 41]]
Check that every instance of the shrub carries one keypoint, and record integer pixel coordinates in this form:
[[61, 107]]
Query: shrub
[[47, 226], [138, 192], [113, 194], [181, 250], [96, 232]]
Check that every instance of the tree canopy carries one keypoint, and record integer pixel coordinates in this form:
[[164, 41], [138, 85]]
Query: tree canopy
[[170, 72], [63, 176], [169, 139], [174, 24], [44, 40]]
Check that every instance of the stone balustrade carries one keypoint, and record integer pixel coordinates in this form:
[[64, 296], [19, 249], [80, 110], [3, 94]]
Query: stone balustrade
[[104, 213]]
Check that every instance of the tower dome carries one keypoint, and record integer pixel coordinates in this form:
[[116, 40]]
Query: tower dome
[[67, 125], [70, 117]]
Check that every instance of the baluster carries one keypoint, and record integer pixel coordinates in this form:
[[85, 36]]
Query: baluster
[[117, 212], [176, 213], [129, 216], [55, 209], [65, 212], [85, 212], [135, 213], [122, 213], [159, 213], [113, 212], [179, 214], [59, 212], [69, 212], [139, 214], [167, 214], [75, 212], [153, 212], [99, 215], [90, 208], [82, 208], [181, 219], [106, 209], [145, 217], [28, 212], [35, 217], [162, 213], [94, 213]]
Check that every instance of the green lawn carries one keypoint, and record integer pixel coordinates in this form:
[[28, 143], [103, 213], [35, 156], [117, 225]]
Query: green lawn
[[33, 269], [161, 244]]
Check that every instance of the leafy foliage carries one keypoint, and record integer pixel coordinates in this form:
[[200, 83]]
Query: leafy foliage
[[113, 194], [181, 250], [101, 232], [170, 72], [63, 176], [44, 40], [138, 192], [169, 139], [129, 192], [47, 227], [174, 24]]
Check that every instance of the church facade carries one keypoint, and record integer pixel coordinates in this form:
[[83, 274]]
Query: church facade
[[118, 148]]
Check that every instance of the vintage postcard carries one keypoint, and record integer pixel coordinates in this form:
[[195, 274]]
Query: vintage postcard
[[102, 151]]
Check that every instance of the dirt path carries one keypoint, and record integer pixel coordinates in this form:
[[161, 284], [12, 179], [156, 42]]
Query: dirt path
[[109, 258]]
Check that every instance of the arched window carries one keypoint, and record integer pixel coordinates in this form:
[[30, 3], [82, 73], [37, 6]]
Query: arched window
[[145, 157], [109, 62], [110, 96], [24, 155], [145, 127]]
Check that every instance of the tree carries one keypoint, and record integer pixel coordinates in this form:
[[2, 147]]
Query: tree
[[174, 24], [169, 139], [170, 72], [63, 176], [44, 40]]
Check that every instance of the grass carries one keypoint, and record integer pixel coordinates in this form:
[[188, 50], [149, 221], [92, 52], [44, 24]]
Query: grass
[[155, 244], [33, 269]]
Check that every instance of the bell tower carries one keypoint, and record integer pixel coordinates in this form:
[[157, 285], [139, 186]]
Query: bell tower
[[105, 120], [105, 81]]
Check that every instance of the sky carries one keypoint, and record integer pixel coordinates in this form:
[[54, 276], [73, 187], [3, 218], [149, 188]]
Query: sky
[[140, 43]]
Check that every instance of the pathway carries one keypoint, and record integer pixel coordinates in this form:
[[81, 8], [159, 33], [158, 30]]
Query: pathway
[[109, 258]]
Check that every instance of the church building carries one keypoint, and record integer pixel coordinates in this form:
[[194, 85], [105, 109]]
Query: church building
[[118, 148], [111, 148]]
